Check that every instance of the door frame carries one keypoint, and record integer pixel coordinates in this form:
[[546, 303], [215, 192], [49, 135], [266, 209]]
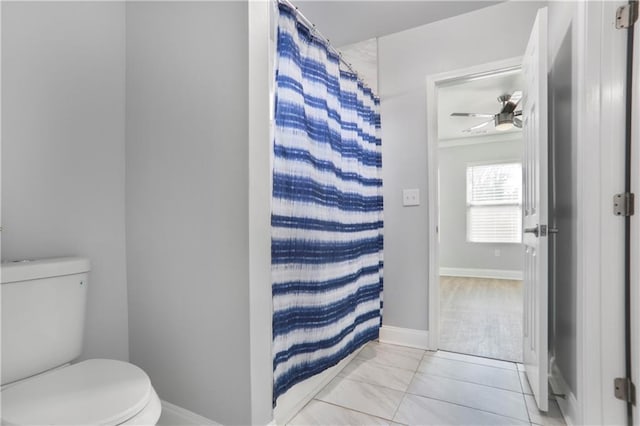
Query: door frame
[[635, 224], [599, 83], [433, 213]]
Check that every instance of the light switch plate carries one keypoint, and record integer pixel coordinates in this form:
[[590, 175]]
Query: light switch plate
[[410, 197]]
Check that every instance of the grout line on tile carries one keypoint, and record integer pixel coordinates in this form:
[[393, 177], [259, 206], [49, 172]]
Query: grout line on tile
[[350, 409], [478, 356], [528, 412], [525, 399], [467, 381], [370, 384], [477, 409], [406, 392], [398, 407], [464, 381], [434, 353], [521, 383], [373, 360]]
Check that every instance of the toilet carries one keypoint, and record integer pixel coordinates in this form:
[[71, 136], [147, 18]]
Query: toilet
[[43, 313]]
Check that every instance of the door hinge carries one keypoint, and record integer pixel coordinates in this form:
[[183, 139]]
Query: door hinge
[[624, 389], [623, 204], [626, 15]]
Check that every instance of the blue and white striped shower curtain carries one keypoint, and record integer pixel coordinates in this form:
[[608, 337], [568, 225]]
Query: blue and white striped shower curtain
[[326, 211]]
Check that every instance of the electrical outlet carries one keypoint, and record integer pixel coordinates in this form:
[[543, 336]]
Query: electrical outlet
[[410, 197], [496, 252]]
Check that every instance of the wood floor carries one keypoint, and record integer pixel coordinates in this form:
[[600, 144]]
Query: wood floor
[[482, 317]]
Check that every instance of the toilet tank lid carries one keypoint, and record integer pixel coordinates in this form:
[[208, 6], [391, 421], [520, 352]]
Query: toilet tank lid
[[24, 270]]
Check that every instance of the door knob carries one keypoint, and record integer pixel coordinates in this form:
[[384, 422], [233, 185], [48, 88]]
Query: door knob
[[542, 229]]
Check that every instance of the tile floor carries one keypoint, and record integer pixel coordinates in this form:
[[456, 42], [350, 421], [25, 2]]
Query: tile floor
[[392, 385]]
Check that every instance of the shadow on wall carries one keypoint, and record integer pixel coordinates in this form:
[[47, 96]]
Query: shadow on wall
[[563, 285]]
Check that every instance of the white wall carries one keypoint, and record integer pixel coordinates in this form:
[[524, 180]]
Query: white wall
[[405, 60], [455, 250], [63, 145], [188, 203]]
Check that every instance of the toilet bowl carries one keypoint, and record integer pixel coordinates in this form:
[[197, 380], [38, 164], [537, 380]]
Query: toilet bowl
[[43, 304]]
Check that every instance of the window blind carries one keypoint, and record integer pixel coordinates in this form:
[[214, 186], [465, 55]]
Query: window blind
[[494, 203]]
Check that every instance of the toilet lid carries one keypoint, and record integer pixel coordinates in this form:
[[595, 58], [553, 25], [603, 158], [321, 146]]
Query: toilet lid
[[92, 392]]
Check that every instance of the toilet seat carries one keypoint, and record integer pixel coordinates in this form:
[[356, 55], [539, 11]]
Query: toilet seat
[[92, 392]]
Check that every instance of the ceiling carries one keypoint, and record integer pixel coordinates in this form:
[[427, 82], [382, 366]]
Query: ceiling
[[478, 95], [352, 26], [363, 57], [347, 21]]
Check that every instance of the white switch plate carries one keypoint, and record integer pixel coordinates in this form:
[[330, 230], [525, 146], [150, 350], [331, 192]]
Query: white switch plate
[[410, 197]]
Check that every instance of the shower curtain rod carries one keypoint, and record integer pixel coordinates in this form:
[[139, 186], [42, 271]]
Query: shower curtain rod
[[312, 27]]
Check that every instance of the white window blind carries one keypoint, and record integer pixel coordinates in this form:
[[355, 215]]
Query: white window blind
[[494, 203]]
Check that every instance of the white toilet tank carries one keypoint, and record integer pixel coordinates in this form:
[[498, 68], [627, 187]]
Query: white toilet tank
[[43, 313]]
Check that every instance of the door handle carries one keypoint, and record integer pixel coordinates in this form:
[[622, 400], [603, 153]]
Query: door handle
[[543, 229]]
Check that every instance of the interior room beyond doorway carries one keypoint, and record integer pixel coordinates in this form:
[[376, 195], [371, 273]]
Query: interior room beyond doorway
[[480, 197]]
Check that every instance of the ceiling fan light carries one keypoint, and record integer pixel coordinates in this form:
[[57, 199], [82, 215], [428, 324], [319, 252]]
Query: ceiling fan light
[[504, 126]]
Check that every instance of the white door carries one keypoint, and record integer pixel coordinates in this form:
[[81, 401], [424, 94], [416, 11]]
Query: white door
[[535, 210]]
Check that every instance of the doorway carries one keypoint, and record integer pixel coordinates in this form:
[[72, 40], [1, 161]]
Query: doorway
[[476, 290], [480, 210]]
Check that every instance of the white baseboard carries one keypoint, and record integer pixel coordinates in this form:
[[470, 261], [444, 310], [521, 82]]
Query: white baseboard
[[568, 404], [172, 415], [299, 395], [499, 274], [404, 337]]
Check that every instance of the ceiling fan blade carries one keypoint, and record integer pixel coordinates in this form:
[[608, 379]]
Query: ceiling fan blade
[[471, 114], [477, 126], [517, 122]]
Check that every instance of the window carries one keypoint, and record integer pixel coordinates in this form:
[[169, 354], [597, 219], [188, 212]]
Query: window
[[494, 203]]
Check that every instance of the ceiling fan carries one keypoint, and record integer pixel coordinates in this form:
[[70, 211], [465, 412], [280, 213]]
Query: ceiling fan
[[506, 119]]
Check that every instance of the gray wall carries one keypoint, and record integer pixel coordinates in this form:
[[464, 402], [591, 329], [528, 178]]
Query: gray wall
[[187, 203], [455, 250], [405, 60], [63, 147], [563, 292]]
